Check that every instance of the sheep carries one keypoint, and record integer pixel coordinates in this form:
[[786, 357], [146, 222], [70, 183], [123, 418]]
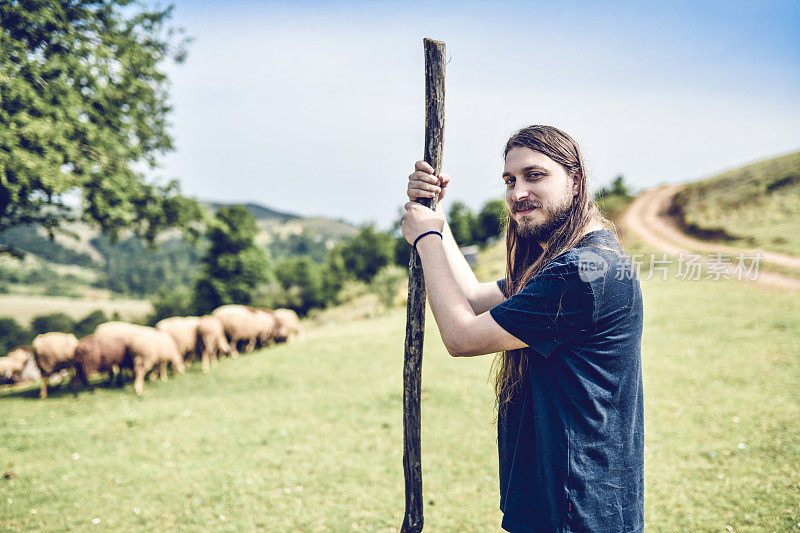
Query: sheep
[[18, 366], [288, 323], [124, 330], [211, 340], [9, 366], [266, 326], [127, 332], [241, 327], [183, 330], [100, 353], [53, 352], [149, 348]]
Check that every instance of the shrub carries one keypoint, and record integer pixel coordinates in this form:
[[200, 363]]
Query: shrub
[[302, 283], [52, 322], [12, 335], [386, 284], [89, 323], [171, 302], [364, 254]]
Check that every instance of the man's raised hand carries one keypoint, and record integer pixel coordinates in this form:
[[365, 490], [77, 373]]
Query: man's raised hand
[[423, 184], [419, 219]]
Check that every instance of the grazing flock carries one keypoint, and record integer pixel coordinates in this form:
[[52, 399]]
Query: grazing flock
[[118, 346]]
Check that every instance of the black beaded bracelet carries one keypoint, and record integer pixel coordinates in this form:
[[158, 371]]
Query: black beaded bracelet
[[426, 233]]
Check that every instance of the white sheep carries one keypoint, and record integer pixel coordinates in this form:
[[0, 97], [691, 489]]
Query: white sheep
[[53, 352]]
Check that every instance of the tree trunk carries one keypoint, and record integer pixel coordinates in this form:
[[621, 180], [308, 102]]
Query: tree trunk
[[415, 312]]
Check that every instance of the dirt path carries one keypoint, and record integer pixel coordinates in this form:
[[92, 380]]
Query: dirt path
[[646, 216]]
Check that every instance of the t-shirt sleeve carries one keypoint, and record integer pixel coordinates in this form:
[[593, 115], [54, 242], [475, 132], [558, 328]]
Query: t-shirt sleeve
[[554, 307]]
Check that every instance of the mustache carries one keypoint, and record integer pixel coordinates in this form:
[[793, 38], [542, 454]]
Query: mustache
[[524, 206]]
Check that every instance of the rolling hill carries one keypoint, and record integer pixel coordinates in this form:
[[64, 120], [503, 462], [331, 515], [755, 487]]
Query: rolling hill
[[87, 262], [756, 206]]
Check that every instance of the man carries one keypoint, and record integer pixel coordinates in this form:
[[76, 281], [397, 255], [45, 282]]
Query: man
[[567, 320]]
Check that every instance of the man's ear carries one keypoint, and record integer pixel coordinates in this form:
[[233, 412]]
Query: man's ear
[[576, 183]]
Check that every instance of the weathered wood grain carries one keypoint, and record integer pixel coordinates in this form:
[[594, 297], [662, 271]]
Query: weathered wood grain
[[415, 312]]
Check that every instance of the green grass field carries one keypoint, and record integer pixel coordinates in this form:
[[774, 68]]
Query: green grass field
[[23, 307], [308, 436]]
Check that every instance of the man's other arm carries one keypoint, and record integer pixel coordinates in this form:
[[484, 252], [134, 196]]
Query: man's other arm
[[481, 296], [464, 332]]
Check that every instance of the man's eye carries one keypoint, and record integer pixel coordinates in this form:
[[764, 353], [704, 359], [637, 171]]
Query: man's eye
[[534, 175], [509, 181]]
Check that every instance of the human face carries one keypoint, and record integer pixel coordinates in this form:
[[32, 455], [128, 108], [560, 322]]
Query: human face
[[539, 192]]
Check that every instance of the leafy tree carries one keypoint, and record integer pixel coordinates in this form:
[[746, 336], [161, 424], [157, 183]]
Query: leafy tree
[[12, 335], [301, 279], [83, 104], [617, 188], [462, 223], [490, 221], [171, 302], [233, 266], [89, 323], [402, 251], [334, 274], [365, 253], [613, 200], [52, 322]]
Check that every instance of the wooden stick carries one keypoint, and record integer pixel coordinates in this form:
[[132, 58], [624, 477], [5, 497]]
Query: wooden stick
[[415, 311]]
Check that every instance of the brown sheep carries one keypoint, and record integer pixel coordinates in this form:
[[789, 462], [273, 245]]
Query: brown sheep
[[241, 327], [150, 348], [288, 323], [211, 340], [266, 326], [100, 353], [183, 330], [18, 366], [53, 352], [123, 330]]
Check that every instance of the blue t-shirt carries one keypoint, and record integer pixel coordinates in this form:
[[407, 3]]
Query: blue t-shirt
[[571, 443]]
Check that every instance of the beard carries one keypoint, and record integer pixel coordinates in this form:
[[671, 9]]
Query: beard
[[555, 216]]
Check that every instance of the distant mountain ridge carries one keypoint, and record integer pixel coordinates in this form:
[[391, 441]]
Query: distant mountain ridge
[[259, 212]]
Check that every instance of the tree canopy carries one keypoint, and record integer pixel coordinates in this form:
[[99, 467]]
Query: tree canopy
[[234, 266], [84, 108]]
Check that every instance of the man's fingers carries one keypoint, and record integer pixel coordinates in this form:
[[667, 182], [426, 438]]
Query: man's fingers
[[423, 166], [423, 184], [423, 176], [423, 187]]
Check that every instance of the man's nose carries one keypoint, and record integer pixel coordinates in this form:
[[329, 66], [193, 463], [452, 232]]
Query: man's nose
[[519, 192]]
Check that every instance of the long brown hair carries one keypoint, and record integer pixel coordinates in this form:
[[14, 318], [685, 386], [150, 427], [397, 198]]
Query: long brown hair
[[525, 257]]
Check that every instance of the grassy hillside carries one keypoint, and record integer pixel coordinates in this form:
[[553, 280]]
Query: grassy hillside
[[308, 436], [84, 262], [754, 206]]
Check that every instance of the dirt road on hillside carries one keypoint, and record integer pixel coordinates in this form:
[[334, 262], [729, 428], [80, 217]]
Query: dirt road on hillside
[[647, 217]]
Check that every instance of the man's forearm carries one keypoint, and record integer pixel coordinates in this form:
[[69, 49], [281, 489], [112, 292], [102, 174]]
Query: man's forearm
[[447, 299], [460, 269]]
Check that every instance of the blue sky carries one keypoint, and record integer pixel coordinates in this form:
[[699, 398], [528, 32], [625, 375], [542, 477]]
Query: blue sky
[[317, 108]]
